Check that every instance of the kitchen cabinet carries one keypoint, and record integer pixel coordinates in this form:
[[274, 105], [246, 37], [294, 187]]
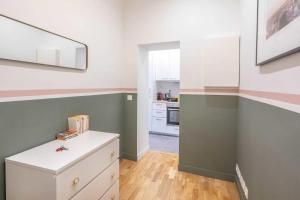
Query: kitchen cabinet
[[159, 106], [159, 119], [166, 64], [159, 113], [159, 124]]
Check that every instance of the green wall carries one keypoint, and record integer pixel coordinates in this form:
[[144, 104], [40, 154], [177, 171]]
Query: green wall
[[268, 150], [26, 124], [129, 123], [208, 128], [216, 133]]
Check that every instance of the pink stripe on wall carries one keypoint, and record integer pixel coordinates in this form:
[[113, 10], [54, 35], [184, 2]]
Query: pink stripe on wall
[[213, 89], [22, 93], [285, 97]]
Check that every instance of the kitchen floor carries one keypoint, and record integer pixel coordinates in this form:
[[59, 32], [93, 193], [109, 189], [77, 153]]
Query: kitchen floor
[[155, 177], [164, 143]]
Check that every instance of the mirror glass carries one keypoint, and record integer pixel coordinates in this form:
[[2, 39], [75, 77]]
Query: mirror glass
[[26, 43]]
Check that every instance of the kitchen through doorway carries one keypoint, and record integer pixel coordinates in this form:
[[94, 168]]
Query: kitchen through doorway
[[164, 102], [158, 127]]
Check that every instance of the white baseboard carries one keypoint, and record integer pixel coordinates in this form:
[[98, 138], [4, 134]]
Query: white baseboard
[[242, 181], [145, 150]]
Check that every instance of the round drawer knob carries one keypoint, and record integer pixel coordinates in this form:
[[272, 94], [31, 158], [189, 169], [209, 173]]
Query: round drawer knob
[[112, 176], [76, 181], [113, 198]]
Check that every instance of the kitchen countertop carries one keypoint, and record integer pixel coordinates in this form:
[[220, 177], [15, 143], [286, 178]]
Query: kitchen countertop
[[170, 103]]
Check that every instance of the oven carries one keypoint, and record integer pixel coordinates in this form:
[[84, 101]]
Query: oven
[[172, 115]]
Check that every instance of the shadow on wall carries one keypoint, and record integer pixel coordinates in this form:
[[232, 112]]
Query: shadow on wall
[[281, 64]]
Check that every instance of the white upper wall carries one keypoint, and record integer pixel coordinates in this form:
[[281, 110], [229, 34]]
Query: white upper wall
[[98, 23], [279, 76], [187, 21]]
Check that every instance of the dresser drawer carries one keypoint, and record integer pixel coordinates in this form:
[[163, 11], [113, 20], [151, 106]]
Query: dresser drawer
[[97, 188], [112, 193], [159, 113], [79, 175]]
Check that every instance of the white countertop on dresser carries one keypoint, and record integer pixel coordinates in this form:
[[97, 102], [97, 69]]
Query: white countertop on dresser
[[45, 157]]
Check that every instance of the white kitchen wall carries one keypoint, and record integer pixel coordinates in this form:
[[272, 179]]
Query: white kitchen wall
[[165, 86], [190, 22], [278, 76], [98, 23]]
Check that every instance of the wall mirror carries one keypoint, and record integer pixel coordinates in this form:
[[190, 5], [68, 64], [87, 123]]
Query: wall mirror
[[22, 42]]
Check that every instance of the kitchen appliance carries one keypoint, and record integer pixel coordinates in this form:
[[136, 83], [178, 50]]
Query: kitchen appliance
[[173, 99], [172, 115], [168, 95]]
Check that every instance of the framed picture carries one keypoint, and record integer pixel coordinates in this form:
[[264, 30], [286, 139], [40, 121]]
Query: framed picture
[[278, 29]]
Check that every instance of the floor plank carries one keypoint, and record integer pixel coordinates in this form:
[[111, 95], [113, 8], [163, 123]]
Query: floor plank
[[155, 177]]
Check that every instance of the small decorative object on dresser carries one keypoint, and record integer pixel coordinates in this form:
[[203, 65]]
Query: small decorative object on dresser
[[89, 170], [278, 28]]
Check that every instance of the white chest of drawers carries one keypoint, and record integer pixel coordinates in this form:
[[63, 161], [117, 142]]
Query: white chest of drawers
[[89, 170]]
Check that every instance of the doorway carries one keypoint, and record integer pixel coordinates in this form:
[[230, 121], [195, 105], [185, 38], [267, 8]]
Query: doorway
[[158, 97]]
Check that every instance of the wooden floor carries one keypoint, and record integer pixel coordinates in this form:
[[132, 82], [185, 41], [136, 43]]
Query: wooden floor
[[155, 177]]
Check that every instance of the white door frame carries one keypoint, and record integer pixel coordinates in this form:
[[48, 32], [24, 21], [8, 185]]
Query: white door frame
[[144, 97]]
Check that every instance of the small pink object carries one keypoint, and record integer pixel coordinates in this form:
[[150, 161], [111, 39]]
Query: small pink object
[[62, 148]]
